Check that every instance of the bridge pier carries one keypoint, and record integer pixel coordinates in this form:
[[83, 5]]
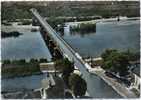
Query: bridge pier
[[53, 48]]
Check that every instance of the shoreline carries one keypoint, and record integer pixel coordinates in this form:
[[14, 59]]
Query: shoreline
[[119, 88], [102, 20], [12, 28]]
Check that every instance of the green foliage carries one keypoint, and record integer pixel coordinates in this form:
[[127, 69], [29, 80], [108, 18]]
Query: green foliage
[[20, 10], [21, 67], [43, 60], [66, 79], [6, 62], [33, 60], [20, 70], [66, 67], [84, 28], [13, 12], [20, 62], [115, 61], [132, 56], [107, 52], [78, 85], [54, 22]]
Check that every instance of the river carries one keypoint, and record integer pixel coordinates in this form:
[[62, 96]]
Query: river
[[21, 83], [121, 35], [118, 35], [26, 46]]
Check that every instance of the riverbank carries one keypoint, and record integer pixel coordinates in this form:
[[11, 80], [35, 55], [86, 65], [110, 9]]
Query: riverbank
[[101, 20], [15, 27], [83, 28], [118, 87], [20, 68]]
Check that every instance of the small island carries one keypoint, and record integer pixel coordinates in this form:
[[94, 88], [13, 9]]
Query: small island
[[89, 27], [10, 34]]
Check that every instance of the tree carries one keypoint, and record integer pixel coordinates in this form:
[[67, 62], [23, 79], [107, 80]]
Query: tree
[[66, 79], [107, 57], [22, 61], [66, 67], [120, 64], [115, 61], [132, 56], [6, 62], [43, 60], [78, 85], [32, 60], [107, 52]]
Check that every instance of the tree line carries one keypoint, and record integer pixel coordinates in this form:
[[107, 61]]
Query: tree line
[[117, 61], [17, 68], [88, 27], [73, 81], [23, 61]]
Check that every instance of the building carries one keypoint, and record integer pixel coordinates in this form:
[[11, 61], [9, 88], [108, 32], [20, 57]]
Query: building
[[135, 84], [47, 67]]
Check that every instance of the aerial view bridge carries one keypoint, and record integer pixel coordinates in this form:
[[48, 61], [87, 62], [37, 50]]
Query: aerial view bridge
[[67, 51], [64, 47]]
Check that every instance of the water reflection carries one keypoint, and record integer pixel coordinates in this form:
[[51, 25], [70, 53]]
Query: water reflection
[[68, 32]]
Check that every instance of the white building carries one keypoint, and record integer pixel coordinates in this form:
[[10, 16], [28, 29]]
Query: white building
[[137, 78]]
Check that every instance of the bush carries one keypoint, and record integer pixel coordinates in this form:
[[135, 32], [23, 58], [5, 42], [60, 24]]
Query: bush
[[20, 70], [115, 61], [33, 60], [43, 60], [84, 28], [6, 62], [66, 67], [78, 85], [22, 61]]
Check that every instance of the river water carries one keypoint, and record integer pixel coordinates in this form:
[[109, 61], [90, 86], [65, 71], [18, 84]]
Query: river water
[[119, 35], [21, 83], [26, 46]]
